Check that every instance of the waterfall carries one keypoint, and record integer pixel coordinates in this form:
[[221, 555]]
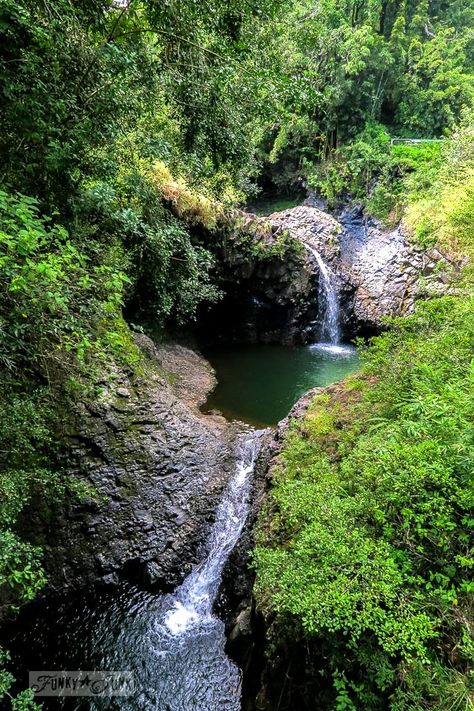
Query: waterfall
[[174, 644], [193, 601], [328, 300]]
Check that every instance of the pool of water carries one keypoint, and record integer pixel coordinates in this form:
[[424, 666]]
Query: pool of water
[[267, 205], [259, 384], [173, 645]]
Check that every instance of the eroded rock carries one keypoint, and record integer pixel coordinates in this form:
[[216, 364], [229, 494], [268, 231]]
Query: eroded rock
[[158, 467], [272, 291], [380, 272]]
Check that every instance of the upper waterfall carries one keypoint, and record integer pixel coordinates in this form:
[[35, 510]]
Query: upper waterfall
[[328, 300]]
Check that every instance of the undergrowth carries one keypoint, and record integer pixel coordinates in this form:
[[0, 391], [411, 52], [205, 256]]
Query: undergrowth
[[368, 540]]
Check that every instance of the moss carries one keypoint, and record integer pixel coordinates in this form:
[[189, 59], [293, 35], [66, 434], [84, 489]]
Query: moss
[[190, 206], [128, 486]]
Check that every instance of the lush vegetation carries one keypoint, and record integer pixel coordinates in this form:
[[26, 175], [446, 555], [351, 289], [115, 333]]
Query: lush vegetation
[[369, 547], [364, 557], [354, 72], [127, 129], [95, 98], [365, 549]]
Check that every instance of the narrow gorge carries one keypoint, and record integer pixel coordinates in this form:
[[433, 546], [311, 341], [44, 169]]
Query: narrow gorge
[[179, 484]]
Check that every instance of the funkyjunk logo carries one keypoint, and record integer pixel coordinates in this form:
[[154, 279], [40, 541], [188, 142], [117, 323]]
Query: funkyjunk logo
[[82, 683]]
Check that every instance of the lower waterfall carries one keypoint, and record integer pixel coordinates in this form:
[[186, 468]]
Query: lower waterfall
[[174, 644]]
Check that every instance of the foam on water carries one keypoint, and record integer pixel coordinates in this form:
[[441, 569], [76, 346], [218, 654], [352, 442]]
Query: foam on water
[[333, 349], [180, 618]]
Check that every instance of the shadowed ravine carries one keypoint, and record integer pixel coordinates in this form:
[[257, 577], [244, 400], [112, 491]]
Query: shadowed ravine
[[176, 646], [236, 319], [173, 643]]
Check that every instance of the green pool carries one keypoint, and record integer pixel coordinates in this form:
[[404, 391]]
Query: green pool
[[259, 384]]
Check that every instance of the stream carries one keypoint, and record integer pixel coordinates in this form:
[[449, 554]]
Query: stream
[[174, 644]]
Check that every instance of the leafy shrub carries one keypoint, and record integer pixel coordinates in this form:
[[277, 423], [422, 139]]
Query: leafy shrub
[[443, 212], [57, 310], [368, 546], [169, 271], [379, 174], [354, 166], [20, 702]]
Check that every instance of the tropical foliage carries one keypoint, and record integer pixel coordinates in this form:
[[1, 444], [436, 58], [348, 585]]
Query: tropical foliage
[[348, 66], [369, 550], [365, 549], [127, 128]]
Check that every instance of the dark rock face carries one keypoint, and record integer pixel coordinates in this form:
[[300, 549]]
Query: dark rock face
[[268, 290], [272, 297], [388, 273], [378, 274], [159, 467]]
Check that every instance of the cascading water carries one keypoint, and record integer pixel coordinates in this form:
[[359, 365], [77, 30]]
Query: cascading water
[[193, 601], [174, 644], [328, 300]]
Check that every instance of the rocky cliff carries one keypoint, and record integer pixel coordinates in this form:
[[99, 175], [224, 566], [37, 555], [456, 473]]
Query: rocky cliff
[[270, 279], [380, 272], [157, 466]]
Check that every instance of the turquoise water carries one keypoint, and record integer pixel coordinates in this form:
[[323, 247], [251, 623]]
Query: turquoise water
[[266, 206], [259, 384]]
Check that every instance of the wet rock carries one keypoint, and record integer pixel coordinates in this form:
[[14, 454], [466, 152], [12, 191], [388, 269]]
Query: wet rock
[[190, 376], [272, 294], [267, 285], [109, 580], [380, 272], [240, 639], [313, 227], [243, 624]]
